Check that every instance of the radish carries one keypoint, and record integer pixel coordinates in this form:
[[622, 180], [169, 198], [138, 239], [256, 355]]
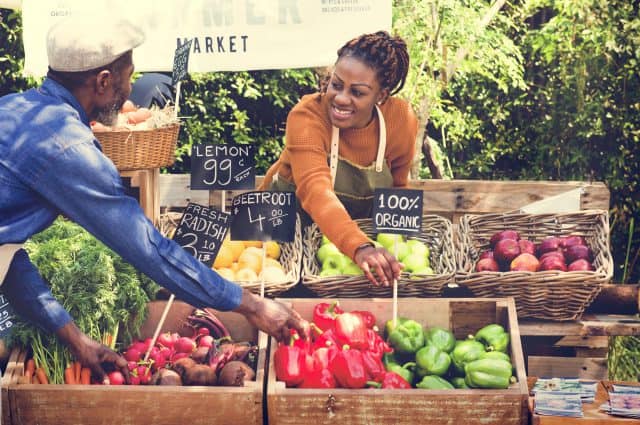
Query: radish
[[166, 339], [144, 374], [116, 378], [184, 345], [132, 355], [204, 331], [205, 341], [132, 366]]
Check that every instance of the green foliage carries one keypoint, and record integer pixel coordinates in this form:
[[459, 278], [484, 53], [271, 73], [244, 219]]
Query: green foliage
[[240, 107], [12, 54]]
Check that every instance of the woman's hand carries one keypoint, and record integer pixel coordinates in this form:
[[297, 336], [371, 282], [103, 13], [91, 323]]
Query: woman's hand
[[386, 267]]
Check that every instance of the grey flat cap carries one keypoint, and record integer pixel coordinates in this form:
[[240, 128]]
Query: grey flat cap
[[82, 43]]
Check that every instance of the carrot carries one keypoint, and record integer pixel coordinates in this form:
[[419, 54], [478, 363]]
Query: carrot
[[77, 367], [85, 376], [30, 368], [41, 376], [69, 377]]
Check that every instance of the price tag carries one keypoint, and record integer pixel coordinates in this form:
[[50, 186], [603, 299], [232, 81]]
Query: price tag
[[181, 62], [6, 317], [201, 231], [397, 211], [264, 216], [224, 166]]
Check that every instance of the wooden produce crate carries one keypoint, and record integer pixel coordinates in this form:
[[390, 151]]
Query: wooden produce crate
[[408, 407], [30, 404]]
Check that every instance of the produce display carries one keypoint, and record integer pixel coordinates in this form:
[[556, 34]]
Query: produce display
[[245, 261], [509, 252], [347, 351], [414, 254], [132, 118]]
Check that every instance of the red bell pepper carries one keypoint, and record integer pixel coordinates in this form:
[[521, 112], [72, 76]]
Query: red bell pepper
[[324, 314], [323, 356], [367, 316], [351, 330], [326, 339], [290, 364], [372, 364], [348, 368], [304, 344], [389, 380], [376, 344], [322, 378]]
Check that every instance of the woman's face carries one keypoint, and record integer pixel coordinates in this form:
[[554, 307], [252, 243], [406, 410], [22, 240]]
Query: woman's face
[[352, 93]]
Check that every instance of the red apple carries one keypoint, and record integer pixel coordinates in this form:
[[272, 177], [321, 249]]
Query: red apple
[[549, 244], [486, 254], [580, 265], [525, 262], [487, 265], [505, 234], [506, 250], [527, 246], [571, 240], [577, 252], [558, 254], [552, 263]]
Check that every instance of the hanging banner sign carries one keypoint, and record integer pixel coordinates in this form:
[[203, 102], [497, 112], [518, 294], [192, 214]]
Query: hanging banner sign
[[181, 63], [228, 35], [223, 167], [264, 216], [397, 211], [201, 232]]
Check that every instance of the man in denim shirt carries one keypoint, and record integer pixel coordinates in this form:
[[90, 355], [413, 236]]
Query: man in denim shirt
[[51, 164]]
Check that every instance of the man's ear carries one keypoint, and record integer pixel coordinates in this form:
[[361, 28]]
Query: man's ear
[[103, 80]]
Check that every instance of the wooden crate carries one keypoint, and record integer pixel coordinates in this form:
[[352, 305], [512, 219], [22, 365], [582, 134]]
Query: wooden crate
[[369, 406], [96, 404]]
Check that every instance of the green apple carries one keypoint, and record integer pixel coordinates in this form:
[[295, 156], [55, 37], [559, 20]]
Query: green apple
[[413, 262], [328, 272], [387, 240], [336, 261], [325, 240], [425, 270], [400, 250], [352, 269], [418, 247], [325, 251]]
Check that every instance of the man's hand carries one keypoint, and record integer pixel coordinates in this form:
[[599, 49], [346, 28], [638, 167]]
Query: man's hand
[[272, 317], [386, 266], [92, 354]]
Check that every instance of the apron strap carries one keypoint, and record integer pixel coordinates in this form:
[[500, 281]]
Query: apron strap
[[335, 140], [7, 252]]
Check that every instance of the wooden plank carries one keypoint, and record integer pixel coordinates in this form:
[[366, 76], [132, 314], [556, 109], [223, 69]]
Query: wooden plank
[[616, 298], [175, 191], [583, 341], [591, 412], [567, 367], [404, 407], [589, 325]]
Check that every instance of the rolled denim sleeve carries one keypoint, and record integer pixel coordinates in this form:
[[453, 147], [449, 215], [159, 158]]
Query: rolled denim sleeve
[[80, 181], [30, 296]]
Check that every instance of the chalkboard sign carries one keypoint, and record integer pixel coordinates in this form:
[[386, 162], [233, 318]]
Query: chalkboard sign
[[181, 62], [225, 166], [201, 231], [397, 211], [6, 317], [264, 216]]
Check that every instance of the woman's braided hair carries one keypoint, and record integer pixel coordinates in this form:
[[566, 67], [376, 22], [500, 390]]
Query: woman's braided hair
[[384, 53]]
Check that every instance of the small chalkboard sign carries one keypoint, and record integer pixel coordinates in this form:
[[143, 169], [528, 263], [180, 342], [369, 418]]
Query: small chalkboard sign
[[223, 167], [181, 62], [201, 231], [397, 211], [6, 317], [264, 216]]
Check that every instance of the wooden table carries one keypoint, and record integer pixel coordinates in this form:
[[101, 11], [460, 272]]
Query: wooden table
[[592, 416]]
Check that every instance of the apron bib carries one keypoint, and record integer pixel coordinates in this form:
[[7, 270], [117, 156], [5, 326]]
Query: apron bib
[[7, 251], [353, 184]]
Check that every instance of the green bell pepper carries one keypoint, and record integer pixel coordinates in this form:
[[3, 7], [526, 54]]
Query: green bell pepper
[[406, 370], [464, 352], [431, 360], [441, 338], [488, 373], [495, 355], [458, 382], [494, 337], [406, 337], [432, 382]]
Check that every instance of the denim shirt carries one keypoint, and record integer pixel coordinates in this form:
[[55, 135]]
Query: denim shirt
[[51, 164]]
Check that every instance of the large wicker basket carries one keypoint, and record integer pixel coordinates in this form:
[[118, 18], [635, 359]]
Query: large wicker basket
[[140, 149], [290, 257], [552, 295], [436, 232]]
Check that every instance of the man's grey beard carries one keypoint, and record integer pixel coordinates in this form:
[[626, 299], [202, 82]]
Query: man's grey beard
[[108, 116]]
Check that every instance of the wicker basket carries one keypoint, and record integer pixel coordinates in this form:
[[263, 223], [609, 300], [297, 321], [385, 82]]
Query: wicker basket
[[140, 149], [436, 232], [290, 257], [551, 295]]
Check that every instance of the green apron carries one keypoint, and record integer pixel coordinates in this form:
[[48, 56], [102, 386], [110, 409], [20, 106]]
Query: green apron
[[354, 185]]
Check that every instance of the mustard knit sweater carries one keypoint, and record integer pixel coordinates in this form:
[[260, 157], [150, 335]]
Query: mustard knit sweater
[[304, 161]]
